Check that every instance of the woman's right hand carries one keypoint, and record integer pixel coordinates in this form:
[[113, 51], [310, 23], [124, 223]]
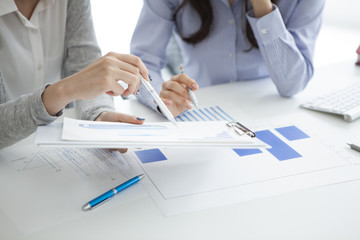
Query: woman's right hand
[[99, 77], [175, 93]]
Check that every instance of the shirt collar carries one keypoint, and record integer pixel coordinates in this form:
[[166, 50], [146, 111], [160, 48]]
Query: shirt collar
[[43, 4], [7, 6]]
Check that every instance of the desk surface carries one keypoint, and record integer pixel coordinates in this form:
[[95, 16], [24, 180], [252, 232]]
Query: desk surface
[[331, 212]]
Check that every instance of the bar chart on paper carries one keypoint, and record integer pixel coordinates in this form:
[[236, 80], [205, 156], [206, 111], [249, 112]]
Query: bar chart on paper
[[279, 149], [212, 113], [229, 175]]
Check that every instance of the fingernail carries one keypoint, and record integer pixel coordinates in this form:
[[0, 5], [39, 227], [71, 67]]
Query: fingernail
[[140, 118], [189, 105], [193, 86]]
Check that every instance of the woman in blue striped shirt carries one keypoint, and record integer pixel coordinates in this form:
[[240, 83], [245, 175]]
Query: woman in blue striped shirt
[[227, 40]]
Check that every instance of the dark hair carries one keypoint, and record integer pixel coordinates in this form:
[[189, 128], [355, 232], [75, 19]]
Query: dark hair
[[205, 11]]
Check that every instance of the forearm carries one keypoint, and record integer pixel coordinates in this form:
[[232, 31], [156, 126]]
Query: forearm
[[287, 53], [19, 118], [57, 96]]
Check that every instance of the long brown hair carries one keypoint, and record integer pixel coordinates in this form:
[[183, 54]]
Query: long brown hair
[[205, 11]]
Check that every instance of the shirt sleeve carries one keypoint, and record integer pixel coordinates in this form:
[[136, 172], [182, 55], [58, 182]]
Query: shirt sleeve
[[20, 117], [288, 48], [81, 49], [149, 43]]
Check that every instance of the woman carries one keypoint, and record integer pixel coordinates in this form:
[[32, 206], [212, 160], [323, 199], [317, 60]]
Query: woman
[[43, 41], [228, 40]]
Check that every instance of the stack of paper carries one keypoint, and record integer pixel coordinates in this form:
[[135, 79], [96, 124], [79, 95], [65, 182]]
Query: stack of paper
[[160, 134]]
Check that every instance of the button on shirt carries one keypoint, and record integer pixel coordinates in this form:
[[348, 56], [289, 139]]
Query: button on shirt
[[286, 39], [35, 45]]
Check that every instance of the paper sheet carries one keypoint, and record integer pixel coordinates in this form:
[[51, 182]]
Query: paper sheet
[[41, 187], [194, 179], [186, 134]]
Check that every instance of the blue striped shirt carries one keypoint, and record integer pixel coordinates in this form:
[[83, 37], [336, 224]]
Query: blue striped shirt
[[286, 39]]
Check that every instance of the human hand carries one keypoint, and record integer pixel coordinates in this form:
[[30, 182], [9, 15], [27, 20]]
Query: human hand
[[105, 73], [261, 7], [175, 93], [110, 116], [100, 77]]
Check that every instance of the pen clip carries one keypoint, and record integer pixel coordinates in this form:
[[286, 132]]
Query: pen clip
[[240, 129]]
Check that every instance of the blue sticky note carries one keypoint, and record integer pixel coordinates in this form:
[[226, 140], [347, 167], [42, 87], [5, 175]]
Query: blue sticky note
[[150, 155], [279, 149], [292, 133], [245, 152]]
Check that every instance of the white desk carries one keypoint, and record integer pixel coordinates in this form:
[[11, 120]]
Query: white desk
[[331, 212]]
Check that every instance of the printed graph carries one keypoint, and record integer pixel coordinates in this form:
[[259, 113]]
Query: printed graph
[[280, 149]]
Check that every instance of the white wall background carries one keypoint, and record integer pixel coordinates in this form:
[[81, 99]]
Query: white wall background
[[115, 21]]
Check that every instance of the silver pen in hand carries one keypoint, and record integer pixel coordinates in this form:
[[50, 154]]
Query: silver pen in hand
[[191, 92], [158, 101]]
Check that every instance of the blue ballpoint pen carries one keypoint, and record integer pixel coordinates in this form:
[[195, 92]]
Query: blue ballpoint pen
[[191, 93], [112, 192]]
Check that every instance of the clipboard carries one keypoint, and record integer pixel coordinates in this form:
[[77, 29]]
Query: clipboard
[[241, 129], [79, 133]]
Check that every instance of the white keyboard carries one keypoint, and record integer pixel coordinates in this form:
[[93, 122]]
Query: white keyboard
[[345, 101]]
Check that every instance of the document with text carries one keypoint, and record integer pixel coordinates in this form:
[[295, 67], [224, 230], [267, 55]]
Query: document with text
[[160, 134]]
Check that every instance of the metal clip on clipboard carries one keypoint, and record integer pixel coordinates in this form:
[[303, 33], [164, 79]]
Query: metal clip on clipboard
[[240, 129]]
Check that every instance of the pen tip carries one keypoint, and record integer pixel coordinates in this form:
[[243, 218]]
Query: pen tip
[[86, 207], [141, 176]]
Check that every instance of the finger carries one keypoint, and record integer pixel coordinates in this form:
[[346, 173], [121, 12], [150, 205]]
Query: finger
[[184, 79], [115, 90], [134, 60], [130, 79], [127, 73], [127, 66], [176, 99], [167, 102], [121, 150], [121, 117], [176, 88]]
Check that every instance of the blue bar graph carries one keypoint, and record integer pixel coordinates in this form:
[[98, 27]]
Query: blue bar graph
[[246, 152], [201, 117], [206, 115], [225, 114], [150, 155], [191, 115], [212, 113], [218, 114], [279, 149], [214, 117], [292, 133]]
